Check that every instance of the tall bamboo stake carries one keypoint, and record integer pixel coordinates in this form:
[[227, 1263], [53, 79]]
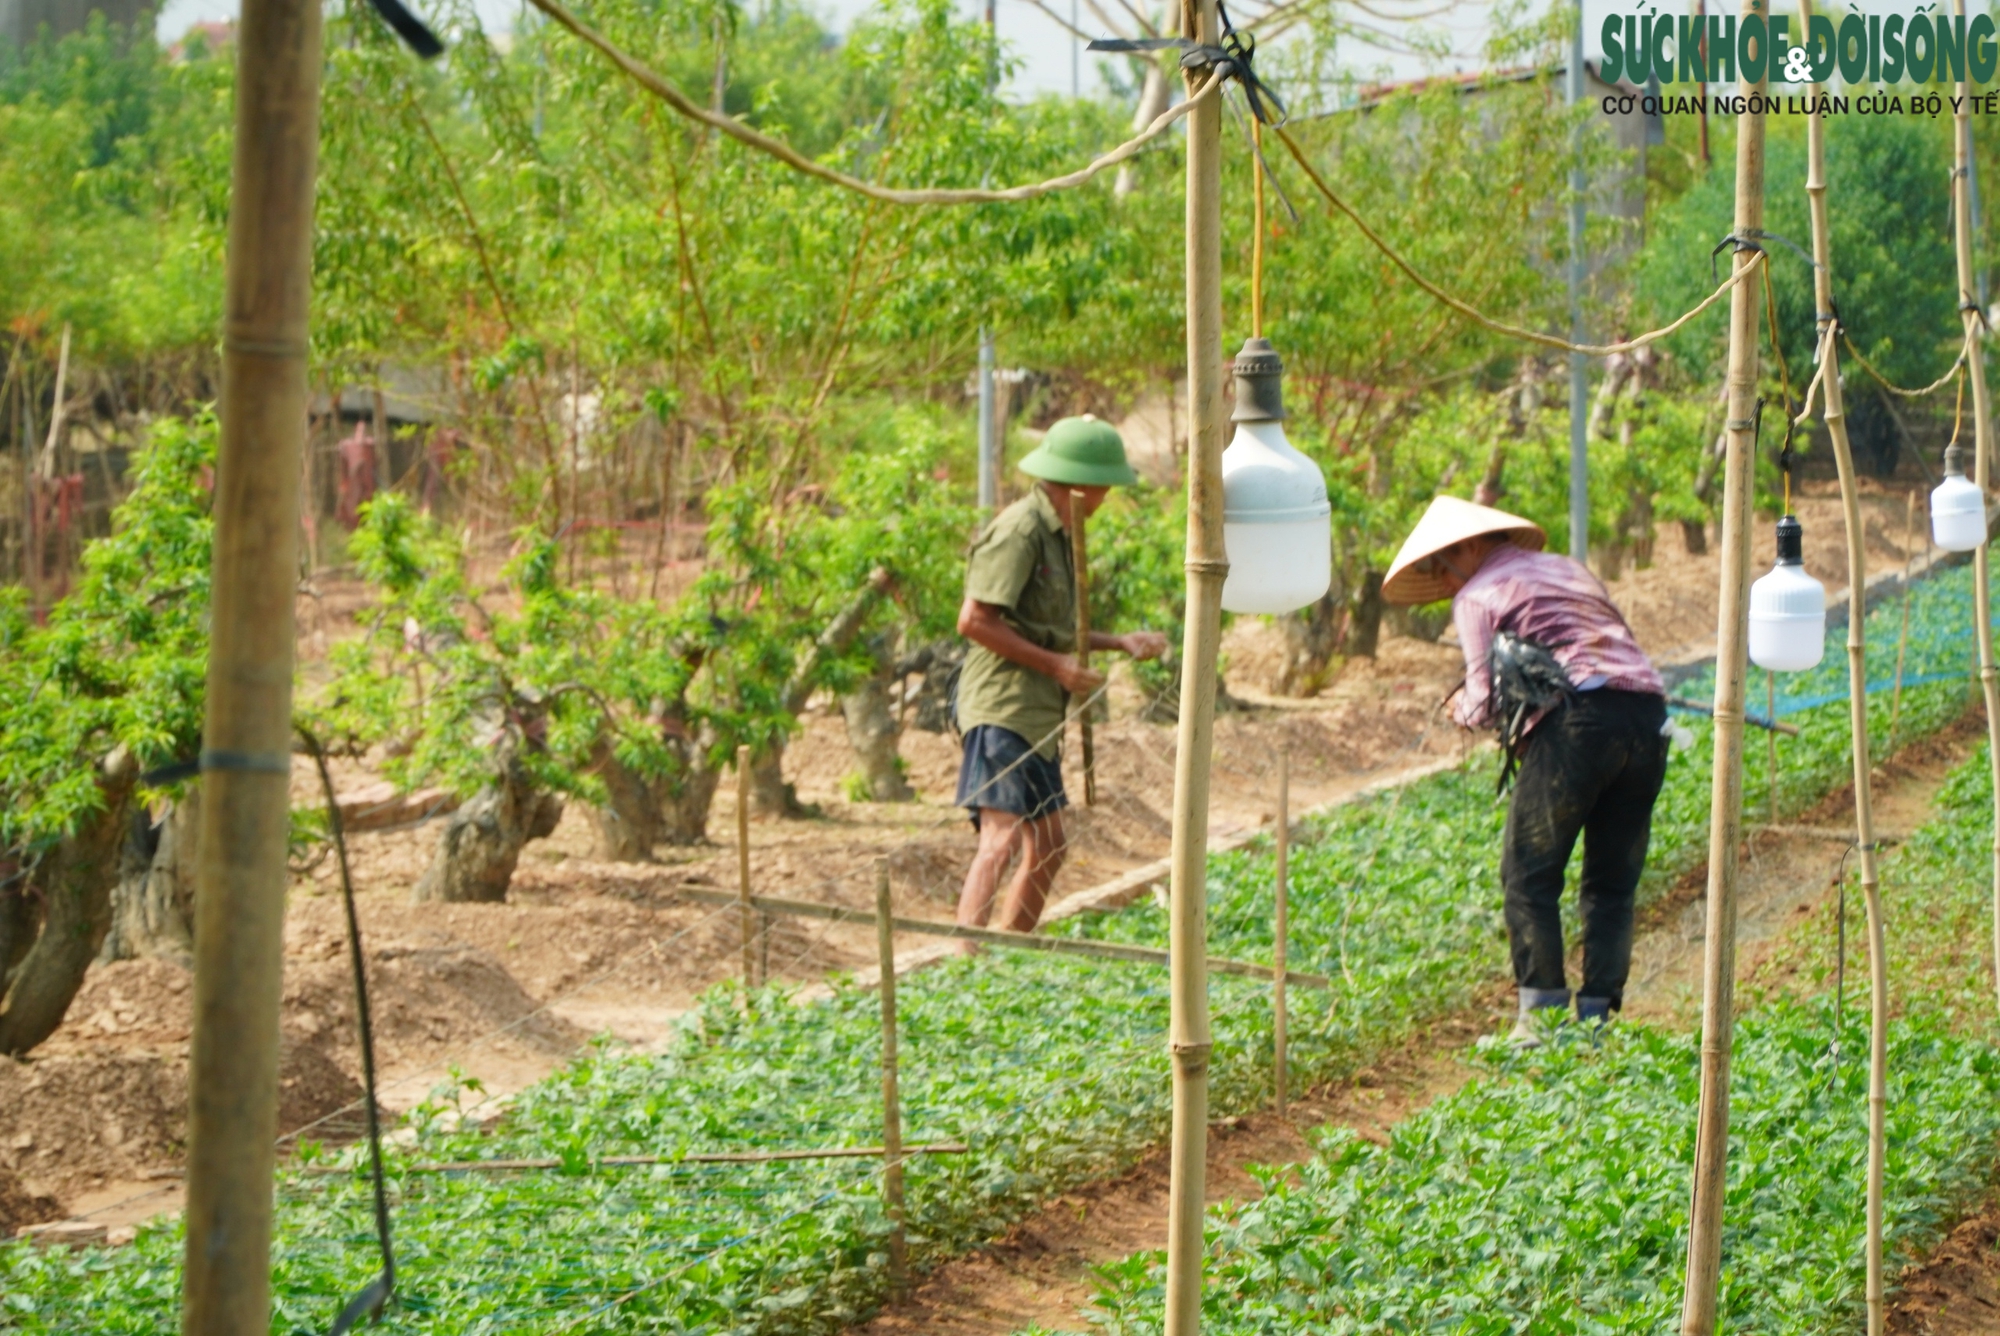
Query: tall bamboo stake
[[1207, 567], [1279, 932], [246, 730], [1079, 560], [1835, 416], [1982, 426], [1725, 819], [1903, 636], [744, 915], [892, 1108]]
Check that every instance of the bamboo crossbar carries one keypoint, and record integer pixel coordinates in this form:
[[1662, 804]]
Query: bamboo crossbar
[[705, 1157], [1020, 941]]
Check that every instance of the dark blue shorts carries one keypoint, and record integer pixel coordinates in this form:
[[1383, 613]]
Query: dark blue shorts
[[1000, 770]]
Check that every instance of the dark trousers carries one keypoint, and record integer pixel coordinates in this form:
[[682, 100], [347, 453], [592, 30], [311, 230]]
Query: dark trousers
[[1593, 767]]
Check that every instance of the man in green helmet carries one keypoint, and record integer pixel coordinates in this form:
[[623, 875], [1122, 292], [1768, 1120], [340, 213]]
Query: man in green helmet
[[1020, 615]]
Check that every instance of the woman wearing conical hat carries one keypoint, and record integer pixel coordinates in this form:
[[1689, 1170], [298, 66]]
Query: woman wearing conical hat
[[1551, 663]]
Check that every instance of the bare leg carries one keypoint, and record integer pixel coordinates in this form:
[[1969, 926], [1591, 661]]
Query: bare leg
[[1043, 847], [999, 832]]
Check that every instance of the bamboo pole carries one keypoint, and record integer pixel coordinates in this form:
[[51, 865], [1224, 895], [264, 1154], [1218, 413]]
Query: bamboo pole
[[1207, 567], [1903, 636], [1726, 789], [1834, 414], [892, 1112], [1982, 427], [745, 916], [246, 731], [1079, 560], [48, 468], [1279, 931]]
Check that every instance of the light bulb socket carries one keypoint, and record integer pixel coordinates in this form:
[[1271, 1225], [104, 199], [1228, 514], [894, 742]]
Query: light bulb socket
[[1954, 460], [1791, 541], [1260, 383]]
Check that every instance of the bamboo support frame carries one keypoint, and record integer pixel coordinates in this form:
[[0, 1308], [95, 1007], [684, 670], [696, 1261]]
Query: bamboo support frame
[[1982, 427], [1079, 560], [745, 915], [1189, 1039], [892, 1110], [1834, 414], [240, 873], [1019, 941], [1279, 932], [1704, 1265], [632, 1161]]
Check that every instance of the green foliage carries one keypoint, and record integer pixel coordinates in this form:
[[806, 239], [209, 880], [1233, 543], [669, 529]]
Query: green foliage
[[1893, 275], [1050, 1070], [1552, 1193], [446, 675], [121, 659]]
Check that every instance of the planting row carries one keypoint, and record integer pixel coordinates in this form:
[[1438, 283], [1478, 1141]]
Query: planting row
[[1050, 1070], [1551, 1194]]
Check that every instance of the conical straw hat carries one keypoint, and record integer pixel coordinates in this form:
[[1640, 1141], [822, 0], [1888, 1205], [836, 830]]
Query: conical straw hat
[[1447, 521]]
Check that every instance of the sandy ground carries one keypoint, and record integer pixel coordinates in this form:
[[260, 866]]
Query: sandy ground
[[504, 993]]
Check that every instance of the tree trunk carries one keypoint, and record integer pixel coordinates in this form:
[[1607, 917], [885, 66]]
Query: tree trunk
[[684, 800], [771, 795], [1312, 638], [482, 841], [1152, 104], [73, 884], [630, 822], [1364, 628], [152, 909], [873, 732]]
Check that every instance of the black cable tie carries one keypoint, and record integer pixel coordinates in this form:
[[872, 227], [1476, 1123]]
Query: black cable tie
[[251, 763], [410, 28], [1797, 249], [1732, 243]]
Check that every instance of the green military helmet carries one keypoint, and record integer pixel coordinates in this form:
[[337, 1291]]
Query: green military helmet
[[1082, 452]]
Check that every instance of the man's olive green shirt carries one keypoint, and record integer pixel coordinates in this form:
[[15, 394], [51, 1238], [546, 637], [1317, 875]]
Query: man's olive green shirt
[[1020, 563]]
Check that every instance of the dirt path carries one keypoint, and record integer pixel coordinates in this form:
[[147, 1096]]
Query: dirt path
[[1041, 1272]]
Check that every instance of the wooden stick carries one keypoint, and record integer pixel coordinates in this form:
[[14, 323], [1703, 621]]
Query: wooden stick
[[628, 1161], [1080, 566], [240, 873], [1019, 941], [1189, 1039], [1835, 415], [1725, 820], [747, 919], [1903, 636], [892, 1111], [48, 469], [1982, 427], [1279, 929]]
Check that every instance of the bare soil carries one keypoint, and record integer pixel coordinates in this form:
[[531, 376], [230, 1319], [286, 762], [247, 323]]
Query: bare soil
[[94, 1119], [1956, 1292]]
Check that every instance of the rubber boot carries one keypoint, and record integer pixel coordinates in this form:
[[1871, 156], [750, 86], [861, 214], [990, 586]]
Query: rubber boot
[[1593, 1014], [1542, 1009]]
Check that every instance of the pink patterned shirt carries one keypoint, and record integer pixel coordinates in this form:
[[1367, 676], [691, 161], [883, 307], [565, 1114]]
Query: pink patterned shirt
[[1557, 603]]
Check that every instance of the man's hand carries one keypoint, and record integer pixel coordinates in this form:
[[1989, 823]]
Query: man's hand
[[1143, 644], [1074, 677]]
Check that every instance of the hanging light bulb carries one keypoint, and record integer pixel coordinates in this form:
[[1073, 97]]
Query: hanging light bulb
[[1788, 608], [1277, 526], [1958, 508]]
